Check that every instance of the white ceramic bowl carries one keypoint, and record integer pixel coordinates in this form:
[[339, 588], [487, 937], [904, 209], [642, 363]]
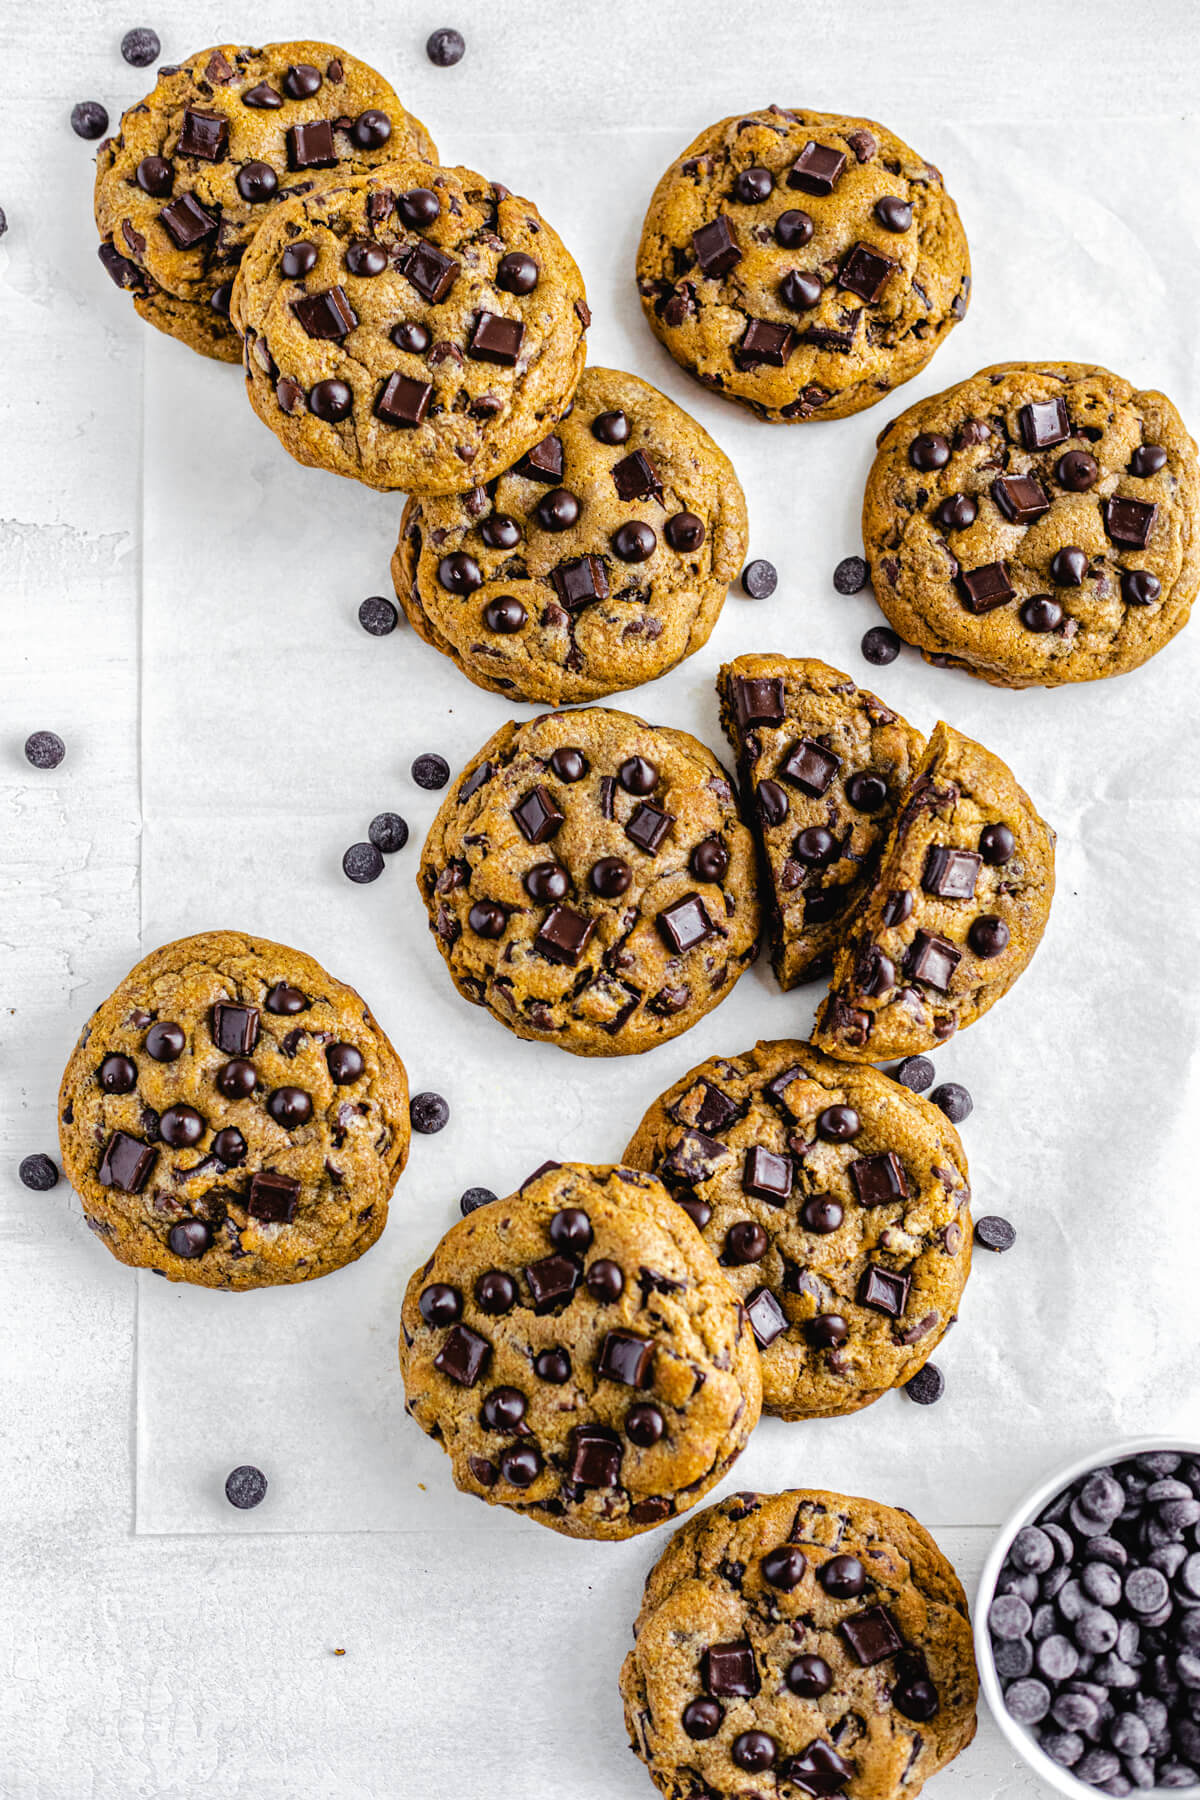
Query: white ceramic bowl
[[1019, 1737]]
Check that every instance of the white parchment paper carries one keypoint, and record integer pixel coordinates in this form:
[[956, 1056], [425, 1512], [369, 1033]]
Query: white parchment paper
[[274, 729]]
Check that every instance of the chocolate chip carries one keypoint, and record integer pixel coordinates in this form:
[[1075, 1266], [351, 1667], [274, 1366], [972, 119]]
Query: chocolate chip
[[155, 176], [495, 1292], [926, 1387], [140, 47], [819, 1769], [842, 1576], [893, 213], [301, 80], [189, 1239], [330, 401], [634, 542], [715, 245], [809, 1677], [1041, 612], [262, 98], [851, 575], [503, 1409], [44, 749], [430, 771], [445, 47], [793, 229], [569, 764], [766, 1316], [181, 1127], [800, 291], [165, 1041], [828, 1331], [371, 130], [1044, 423], [880, 645], [1069, 566], [362, 863], [604, 1280], [685, 924], [610, 428], [994, 1233], [838, 1124], [1077, 471], [956, 512], [366, 258], [558, 510], [702, 1719], [117, 1074], [988, 936], [246, 1486], [817, 169], [996, 844], [553, 1367], [285, 1000], [915, 1073], [928, 451], [257, 182], [472, 1198], [610, 877], [429, 1113], [821, 1214], [440, 1304], [89, 119], [752, 186], [644, 1425], [753, 1751], [1139, 587], [1147, 459], [345, 1064], [745, 1242], [39, 1173]]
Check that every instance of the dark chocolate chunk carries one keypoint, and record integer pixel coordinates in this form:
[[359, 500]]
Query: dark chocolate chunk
[[817, 169], [864, 271], [327, 315], [872, 1635], [986, 587], [647, 827], [595, 1454], [685, 923], [884, 1290], [186, 222], [716, 247], [729, 1671], [431, 272], [810, 766], [766, 1316], [1020, 498], [579, 581], [403, 401], [537, 816], [763, 341], [879, 1179], [272, 1198], [463, 1355], [932, 959], [950, 874], [564, 935], [767, 1175], [819, 1770], [235, 1028], [311, 146], [205, 135], [544, 462], [627, 1358], [1129, 522], [758, 701], [1044, 423], [636, 478], [496, 339]]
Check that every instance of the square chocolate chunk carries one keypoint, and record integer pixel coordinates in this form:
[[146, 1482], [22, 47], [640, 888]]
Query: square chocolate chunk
[[564, 935], [496, 339], [186, 222], [431, 272], [648, 826], [311, 146], [985, 587], [126, 1163], [403, 402], [579, 581], [950, 874], [463, 1355], [685, 924], [595, 1457], [205, 135], [716, 246], [810, 766], [776, 1090], [819, 1770], [537, 817], [872, 1635], [1020, 498], [879, 1179], [1129, 522], [1044, 423], [272, 1198], [714, 1110], [758, 701], [864, 271], [326, 315], [729, 1671], [627, 1358], [636, 478], [817, 169], [932, 959], [765, 342], [766, 1316], [235, 1028], [544, 462], [767, 1175], [694, 1157], [552, 1281], [883, 1290]]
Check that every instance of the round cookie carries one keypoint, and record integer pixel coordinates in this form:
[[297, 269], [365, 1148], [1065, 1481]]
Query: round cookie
[[415, 328], [589, 881], [233, 1116], [800, 1643], [802, 263], [598, 562], [579, 1355], [837, 1203], [1037, 524], [224, 138], [956, 911]]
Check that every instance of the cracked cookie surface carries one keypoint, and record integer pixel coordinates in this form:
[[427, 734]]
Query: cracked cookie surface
[[224, 138], [233, 1116], [838, 1205], [957, 910], [803, 263], [589, 881], [417, 328], [596, 563], [823, 764], [577, 1351], [804, 1643], [1037, 524]]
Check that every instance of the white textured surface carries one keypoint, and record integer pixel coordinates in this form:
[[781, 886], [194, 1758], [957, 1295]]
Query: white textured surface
[[140, 611]]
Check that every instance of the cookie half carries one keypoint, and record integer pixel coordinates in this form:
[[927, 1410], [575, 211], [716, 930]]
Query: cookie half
[[803, 263], [837, 1203], [823, 764], [958, 908], [802, 1643], [598, 562], [589, 881], [224, 138], [1037, 524], [234, 1117], [579, 1355], [417, 328]]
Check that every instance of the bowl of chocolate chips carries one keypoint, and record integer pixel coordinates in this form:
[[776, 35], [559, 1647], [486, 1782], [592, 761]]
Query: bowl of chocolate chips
[[1087, 1623]]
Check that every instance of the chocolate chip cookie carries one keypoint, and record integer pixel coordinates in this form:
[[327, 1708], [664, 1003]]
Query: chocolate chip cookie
[[579, 1355], [800, 1643], [233, 1116], [596, 563], [416, 328], [837, 1203], [589, 881], [958, 908], [223, 139], [802, 263], [823, 764], [1037, 524]]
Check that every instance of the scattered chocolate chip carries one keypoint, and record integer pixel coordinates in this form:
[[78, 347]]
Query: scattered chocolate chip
[[759, 579], [431, 771], [953, 1100], [117, 1074], [821, 1214], [880, 645], [709, 860], [388, 832], [809, 1677], [996, 844], [89, 119], [851, 575], [552, 1366], [245, 1487], [915, 1073], [495, 1293], [257, 182], [39, 1173], [44, 749], [842, 1576], [473, 1198], [362, 863], [429, 1113], [165, 1041], [994, 1233], [445, 47], [140, 47], [569, 764]]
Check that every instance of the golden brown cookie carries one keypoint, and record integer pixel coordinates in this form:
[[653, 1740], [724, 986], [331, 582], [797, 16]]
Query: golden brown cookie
[[958, 908], [577, 1352], [598, 562], [801, 262], [800, 1644], [223, 139], [837, 1203], [823, 764], [1037, 524], [416, 328], [589, 881], [233, 1116]]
